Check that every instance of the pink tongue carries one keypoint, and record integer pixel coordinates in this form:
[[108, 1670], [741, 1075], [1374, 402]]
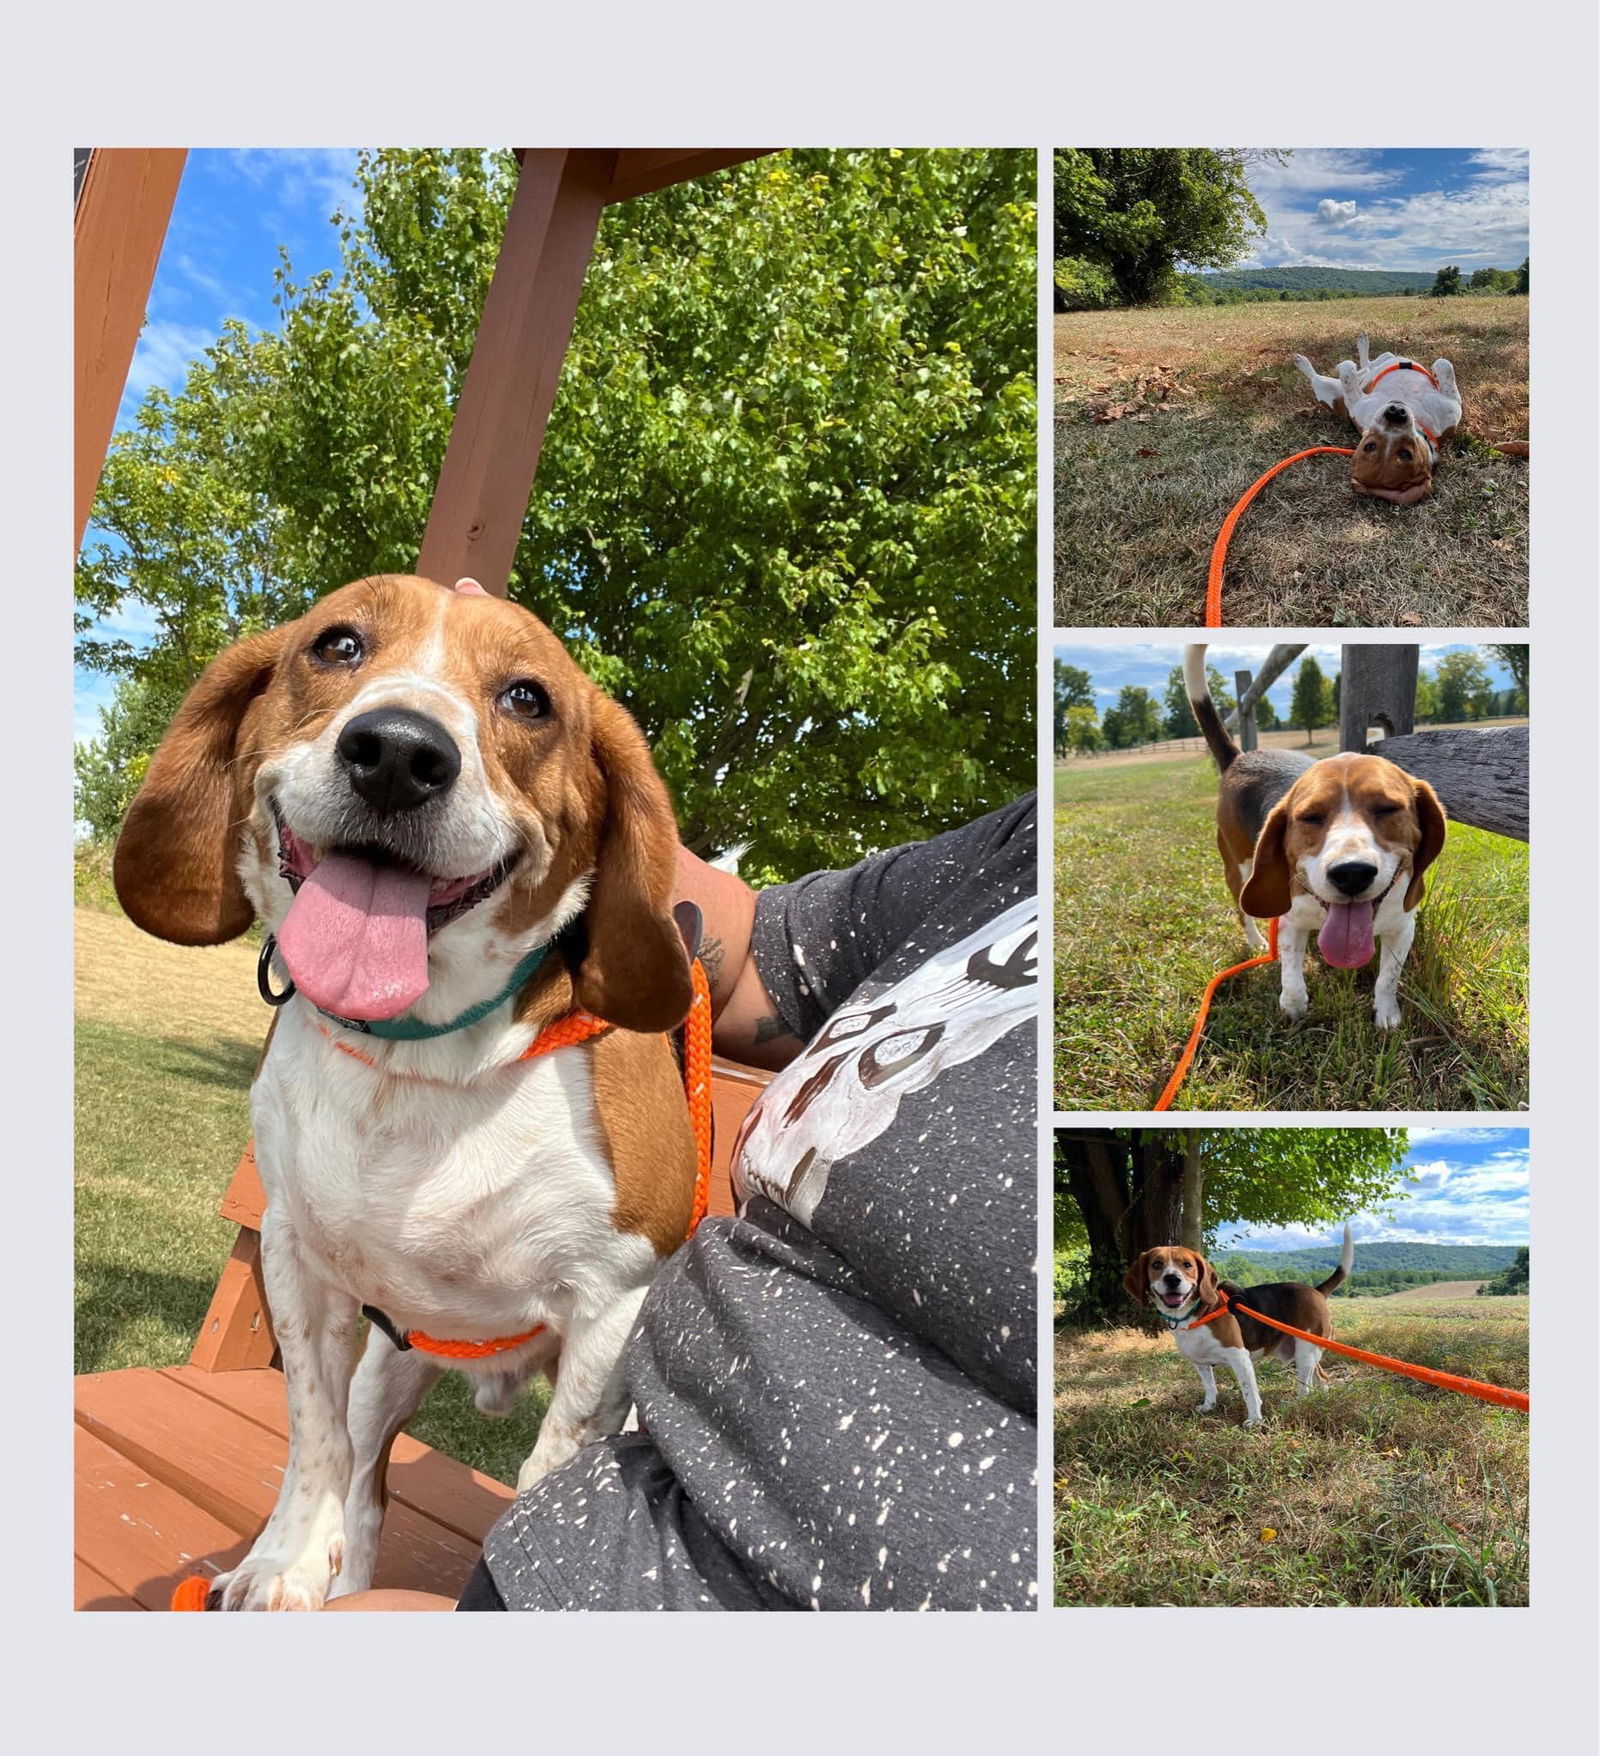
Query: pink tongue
[[356, 938], [1346, 936]]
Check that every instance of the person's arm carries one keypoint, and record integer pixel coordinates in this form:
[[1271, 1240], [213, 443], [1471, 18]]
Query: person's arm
[[746, 1025]]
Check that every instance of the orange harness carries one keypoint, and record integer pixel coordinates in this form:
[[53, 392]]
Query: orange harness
[[579, 1027], [1403, 366]]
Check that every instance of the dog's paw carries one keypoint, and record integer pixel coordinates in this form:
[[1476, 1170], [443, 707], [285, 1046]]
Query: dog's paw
[[1386, 1013], [1259, 1421], [555, 1445], [1204, 1408], [1294, 1006], [270, 1582], [1304, 365]]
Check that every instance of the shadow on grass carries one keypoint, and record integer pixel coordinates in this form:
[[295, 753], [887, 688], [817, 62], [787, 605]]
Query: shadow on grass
[[113, 1300]]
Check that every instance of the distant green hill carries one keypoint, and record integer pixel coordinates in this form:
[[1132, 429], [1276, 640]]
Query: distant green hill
[[1311, 280], [1379, 1267]]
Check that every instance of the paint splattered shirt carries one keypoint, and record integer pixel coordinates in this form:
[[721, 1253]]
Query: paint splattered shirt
[[838, 1385]]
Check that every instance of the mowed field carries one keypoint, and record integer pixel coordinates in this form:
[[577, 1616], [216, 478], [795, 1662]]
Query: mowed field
[[1143, 920], [1373, 1491], [167, 1041], [1164, 418]]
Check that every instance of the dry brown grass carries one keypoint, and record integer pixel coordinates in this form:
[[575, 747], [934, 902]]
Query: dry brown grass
[[1377, 1490], [1219, 402]]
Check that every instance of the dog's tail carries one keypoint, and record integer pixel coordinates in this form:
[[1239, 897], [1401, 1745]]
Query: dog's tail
[[1222, 747], [1341, 1274]]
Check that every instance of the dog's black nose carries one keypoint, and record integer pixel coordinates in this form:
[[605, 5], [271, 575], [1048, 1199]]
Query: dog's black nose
[[1170, 1279], [1353, 876], [397, 760], [1395, 414]]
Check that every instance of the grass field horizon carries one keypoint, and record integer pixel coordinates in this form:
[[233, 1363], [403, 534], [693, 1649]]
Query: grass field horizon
[[1144, 920], [1375, 1491], [1163, 417]]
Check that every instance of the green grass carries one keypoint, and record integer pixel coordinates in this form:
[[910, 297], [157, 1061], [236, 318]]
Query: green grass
[[1144, 920], [160, 1124], [1139, 499], [1374, 1491]]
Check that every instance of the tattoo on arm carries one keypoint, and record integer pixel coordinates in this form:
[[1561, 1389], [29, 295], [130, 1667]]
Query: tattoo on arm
[[712, 955], [770, 1028]]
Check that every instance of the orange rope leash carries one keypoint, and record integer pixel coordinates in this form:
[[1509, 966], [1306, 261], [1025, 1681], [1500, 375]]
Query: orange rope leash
[[1219, 549], [1425, 1374], [697, 1088], [1187, 1057]]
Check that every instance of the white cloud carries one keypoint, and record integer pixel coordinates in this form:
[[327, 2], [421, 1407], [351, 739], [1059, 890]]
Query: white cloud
[[1311, 200], [1335, 213], [318, 178]]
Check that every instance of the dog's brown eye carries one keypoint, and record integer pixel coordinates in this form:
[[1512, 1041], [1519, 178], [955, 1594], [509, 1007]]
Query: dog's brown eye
[[1371, 445], [525, 699], [338, 646], [1314, 818], [1405, 455], [1386, 810]]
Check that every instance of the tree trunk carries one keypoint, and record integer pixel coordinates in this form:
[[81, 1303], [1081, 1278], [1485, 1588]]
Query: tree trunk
[[1097, 1179], [1192, 1231], [1156, 1208]]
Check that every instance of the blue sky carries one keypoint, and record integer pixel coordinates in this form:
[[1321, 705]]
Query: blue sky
[[1112, 666], [234, 209], [1471, 1188], [1413, 208]]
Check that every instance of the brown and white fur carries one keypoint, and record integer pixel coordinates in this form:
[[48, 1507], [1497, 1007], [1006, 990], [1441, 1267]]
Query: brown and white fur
[[459, 1192], [1302, 840], [1180, 1286], [1394, 456]]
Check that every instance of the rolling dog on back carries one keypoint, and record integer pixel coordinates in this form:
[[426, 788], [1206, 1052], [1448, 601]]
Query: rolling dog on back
[[1404, 411], [1321, 847]]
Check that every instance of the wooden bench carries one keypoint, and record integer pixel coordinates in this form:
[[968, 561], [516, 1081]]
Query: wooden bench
[[176, 1470]]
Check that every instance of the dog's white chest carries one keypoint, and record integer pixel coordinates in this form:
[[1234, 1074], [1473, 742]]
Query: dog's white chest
[[488, 1205]]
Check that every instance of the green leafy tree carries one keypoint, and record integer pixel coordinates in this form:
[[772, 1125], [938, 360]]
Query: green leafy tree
[[1266, 715], [1136, 719], [1311, 705], [1446, 284], [1180, 720], [1462, 680], [1426, 710], [1512, 1279], [1522, 277], [1137, 212], [1073, 688], [1084, 736], [795, 424], [1515, 660], [1120, 1191]]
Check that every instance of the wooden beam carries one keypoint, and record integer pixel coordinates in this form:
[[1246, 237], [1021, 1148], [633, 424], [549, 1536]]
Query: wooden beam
[[1481, 777], [489, 464], [1377, 687], [641, 171], [120, 219]]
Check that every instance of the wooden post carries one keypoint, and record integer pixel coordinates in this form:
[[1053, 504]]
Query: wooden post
[[510, 387], [124, 202], [1377, 687], [1247, 710]]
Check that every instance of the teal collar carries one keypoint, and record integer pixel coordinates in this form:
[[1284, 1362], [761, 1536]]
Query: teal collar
[[413, 1030], [1178, 1321]]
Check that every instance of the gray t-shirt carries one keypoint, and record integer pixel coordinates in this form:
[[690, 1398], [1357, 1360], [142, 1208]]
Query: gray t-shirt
[[838, 1386]]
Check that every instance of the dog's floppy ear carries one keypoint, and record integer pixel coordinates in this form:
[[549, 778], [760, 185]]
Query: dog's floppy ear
[[634, 972], [176, 863], [1206, 1285], [1137, 1280], [1430, 815], [1266, 894]]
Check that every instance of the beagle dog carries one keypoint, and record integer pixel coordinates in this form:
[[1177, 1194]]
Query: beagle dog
[[1404, 412], [1211, 1330], [1335, 848], [464, 856]]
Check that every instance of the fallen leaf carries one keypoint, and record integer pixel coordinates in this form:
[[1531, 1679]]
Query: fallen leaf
[[1411, 620], [1145, 451], [1268, 1534]]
